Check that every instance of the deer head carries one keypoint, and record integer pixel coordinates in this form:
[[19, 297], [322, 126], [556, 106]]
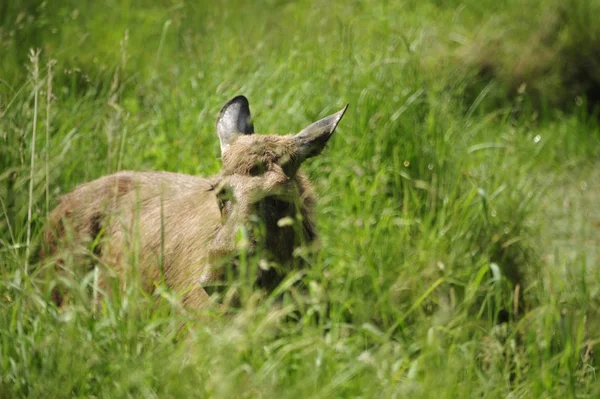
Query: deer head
[[261, 166]]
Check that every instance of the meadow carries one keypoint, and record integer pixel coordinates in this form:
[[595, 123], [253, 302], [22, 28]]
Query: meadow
[[457, 201]]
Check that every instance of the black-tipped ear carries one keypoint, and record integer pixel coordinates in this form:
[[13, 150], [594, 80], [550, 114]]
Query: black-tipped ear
[[234, 120], [312, 139]]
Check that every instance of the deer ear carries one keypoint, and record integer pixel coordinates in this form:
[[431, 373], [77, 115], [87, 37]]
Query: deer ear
[[312, 139], [234, 120]]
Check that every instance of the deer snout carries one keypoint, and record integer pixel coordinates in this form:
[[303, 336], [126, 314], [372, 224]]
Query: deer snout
[[248, 190], [273, 183]]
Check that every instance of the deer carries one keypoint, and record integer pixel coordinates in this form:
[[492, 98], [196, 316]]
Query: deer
[[187, 227]]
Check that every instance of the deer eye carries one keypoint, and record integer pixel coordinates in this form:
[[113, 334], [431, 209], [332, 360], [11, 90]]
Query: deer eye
[[257, 170]]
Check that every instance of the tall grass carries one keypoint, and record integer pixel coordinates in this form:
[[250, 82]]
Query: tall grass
[[458, 230], [34, 57]]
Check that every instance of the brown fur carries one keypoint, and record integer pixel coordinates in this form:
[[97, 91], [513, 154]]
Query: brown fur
[[186, 226]]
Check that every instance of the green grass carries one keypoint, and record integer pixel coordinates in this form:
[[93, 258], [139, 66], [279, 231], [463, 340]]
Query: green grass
[[449, 201]]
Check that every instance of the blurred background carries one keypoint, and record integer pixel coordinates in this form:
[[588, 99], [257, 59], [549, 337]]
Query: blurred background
[[458, 201]]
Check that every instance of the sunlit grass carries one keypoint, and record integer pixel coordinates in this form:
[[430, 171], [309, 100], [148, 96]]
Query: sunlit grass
[[457, 219]]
